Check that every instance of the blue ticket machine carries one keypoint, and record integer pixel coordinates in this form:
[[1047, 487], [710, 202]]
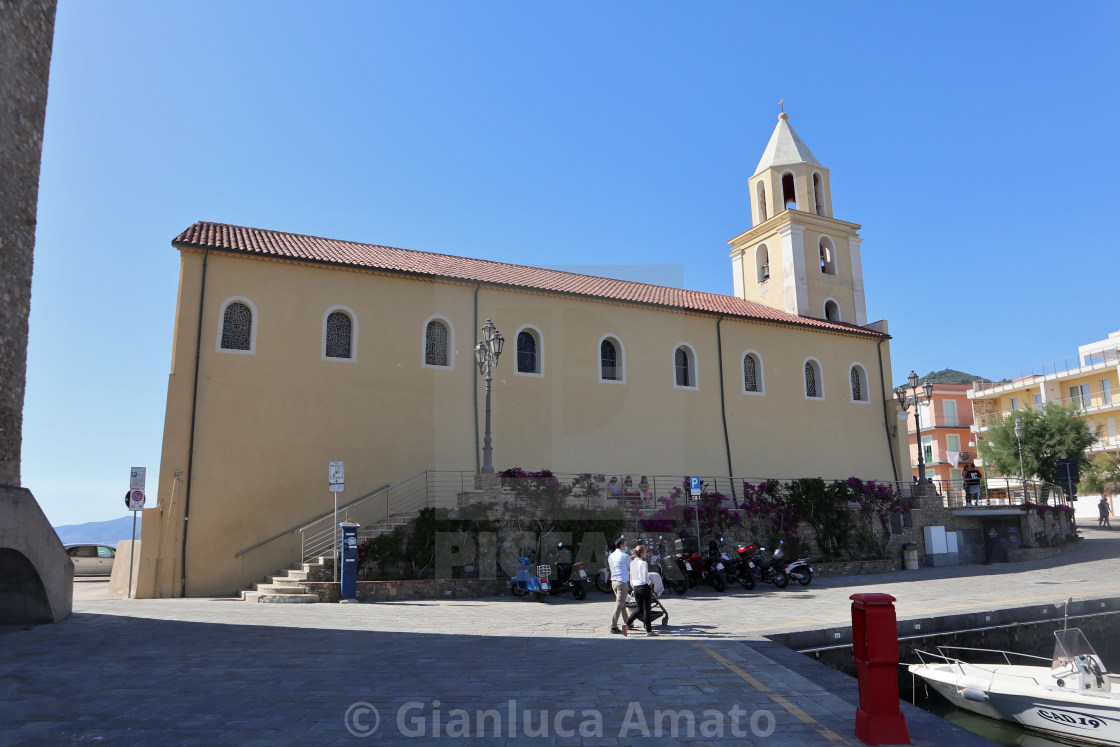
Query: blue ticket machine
[[349, 570]]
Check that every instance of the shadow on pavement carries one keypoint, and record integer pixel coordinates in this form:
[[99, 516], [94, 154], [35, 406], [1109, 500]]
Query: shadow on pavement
[[117, 679]]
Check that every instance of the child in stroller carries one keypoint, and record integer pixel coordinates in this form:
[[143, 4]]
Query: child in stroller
[[656, 609]]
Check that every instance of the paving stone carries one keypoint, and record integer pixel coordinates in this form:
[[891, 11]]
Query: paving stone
[[231, 672]]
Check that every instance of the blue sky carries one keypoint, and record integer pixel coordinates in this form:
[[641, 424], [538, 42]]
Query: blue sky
[[976, 143]]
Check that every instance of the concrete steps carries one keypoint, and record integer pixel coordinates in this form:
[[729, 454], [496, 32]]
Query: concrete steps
[[286, 598], [285, 587]]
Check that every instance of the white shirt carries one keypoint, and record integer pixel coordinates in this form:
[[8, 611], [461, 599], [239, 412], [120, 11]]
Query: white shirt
[[620, 568], [639, 572]]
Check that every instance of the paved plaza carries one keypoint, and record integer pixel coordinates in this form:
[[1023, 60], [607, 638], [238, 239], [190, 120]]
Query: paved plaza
[[492, 671]]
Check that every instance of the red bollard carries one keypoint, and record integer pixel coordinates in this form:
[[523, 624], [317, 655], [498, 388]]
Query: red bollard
[[875, 648]]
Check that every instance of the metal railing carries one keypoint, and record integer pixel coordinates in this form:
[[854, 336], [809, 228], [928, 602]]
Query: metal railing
[[1105, 442], [641, 496], [1067, 365], [999, 491], [1094, 400]]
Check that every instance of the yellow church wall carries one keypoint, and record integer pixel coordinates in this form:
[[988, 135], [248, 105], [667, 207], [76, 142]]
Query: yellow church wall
[[268, 422]]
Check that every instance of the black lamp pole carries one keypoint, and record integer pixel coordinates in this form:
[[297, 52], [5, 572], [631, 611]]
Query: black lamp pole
[[486, 352], [915, 399]]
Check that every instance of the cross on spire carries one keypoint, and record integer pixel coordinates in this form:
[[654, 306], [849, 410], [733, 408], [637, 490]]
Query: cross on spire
[[782, 104]]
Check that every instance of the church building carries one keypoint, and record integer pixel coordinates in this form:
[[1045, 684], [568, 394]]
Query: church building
[[291, 351]]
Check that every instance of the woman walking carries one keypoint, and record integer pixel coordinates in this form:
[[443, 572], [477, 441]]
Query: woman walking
[[639, 582]]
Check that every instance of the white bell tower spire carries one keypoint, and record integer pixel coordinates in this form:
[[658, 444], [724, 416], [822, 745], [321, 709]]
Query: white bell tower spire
[[797, 257]]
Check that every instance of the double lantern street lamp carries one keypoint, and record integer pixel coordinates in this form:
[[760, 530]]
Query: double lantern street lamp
[[486, 352], [916, 399]]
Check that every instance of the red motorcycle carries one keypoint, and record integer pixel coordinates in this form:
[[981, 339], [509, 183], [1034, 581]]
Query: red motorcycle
[[702, 569]]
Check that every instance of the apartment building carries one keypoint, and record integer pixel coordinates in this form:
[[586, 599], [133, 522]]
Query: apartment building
[[947, 443], [1086, 383]]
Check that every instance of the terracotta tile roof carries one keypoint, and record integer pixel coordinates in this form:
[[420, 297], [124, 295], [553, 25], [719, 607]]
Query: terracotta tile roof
[[257, 241]]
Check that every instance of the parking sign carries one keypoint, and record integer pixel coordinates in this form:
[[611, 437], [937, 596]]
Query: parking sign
[[694, 486]]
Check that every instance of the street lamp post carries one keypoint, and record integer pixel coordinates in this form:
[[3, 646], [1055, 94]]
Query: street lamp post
[[486, 352], [1022, 472], [916, 399]]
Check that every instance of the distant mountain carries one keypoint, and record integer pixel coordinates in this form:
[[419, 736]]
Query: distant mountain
[[102, 532], [949, 376]]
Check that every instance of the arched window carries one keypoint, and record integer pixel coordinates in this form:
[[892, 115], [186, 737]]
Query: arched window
[[832, 310], [789, 194], [752, 373], [859, 384], [684, 366], [338, 335], [238, 327], [435, 344], [814, 383], [818, 194], [828, 256], [760, 191], [762, 262], [526, 353], [612, 360], [530, 355]]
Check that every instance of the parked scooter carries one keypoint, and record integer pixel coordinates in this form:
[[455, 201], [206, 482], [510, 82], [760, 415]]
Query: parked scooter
[[760, 568], [570, 576], [531, 579], [731, 563], [703, 569], [670, 567], [800, 571], [603, 576]]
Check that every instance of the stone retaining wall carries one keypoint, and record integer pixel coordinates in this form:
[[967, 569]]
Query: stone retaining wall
[[397, 591], [855, 567]]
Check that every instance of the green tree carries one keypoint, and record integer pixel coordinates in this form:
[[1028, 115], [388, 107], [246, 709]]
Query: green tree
[[1102, 476], [1049, 434]]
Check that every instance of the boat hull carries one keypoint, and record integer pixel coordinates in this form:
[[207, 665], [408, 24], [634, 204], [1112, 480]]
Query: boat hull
[[1094, 719]]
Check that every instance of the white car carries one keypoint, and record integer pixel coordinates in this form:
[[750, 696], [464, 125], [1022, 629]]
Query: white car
[[92, 560]]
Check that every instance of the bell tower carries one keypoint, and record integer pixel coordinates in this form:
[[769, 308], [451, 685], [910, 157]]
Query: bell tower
[[797, 257]]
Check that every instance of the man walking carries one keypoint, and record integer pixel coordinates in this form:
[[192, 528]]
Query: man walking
[[1102, 509], [619, 564]]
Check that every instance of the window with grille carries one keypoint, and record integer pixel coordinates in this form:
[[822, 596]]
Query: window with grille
[[684, 375], [858, 393], [750, 374], [339, 334], [237, 327], [526, 353], [811, 383], [608, 361], [435, 344]]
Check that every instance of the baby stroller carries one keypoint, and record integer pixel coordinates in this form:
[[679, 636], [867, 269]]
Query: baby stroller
[[656, 609]]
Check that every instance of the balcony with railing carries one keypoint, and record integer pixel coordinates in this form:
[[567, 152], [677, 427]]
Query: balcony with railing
[[1057, 368], [1092, 401]]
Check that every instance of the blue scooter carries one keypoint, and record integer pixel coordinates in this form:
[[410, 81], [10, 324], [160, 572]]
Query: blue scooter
[[531, 578]]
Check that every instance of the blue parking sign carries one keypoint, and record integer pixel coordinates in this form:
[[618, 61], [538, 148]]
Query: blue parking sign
[[694, 485]]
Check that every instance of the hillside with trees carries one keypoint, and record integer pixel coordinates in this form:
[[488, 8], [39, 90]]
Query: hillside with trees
[[949, 376]]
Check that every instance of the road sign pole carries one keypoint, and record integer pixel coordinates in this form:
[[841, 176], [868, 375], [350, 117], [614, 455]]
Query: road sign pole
[[697, 524], [131, 555], [335, 494]]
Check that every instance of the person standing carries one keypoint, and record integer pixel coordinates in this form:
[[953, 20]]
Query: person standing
[[972, 484], [639, 580], [619, 564], [1102, 509]]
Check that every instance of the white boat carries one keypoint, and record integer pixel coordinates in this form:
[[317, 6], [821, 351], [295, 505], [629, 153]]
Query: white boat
[[1072, 695]]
